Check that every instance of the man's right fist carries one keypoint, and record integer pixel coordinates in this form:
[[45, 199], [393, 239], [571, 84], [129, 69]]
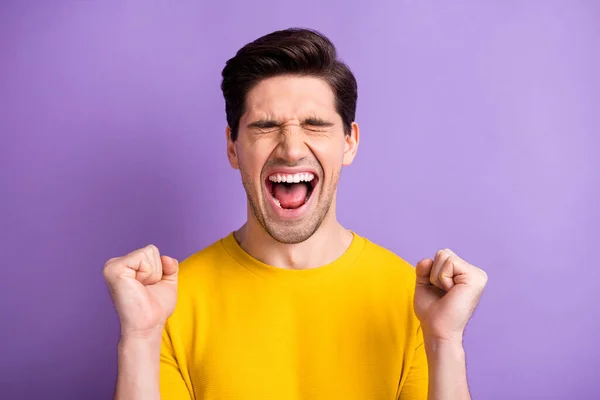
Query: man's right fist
[[143, 287]]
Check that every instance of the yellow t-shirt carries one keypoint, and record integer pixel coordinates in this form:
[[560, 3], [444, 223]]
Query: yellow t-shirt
[[244, 330]]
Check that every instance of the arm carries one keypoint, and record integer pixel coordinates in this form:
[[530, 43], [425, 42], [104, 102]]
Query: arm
[[447, 291], [148, 370], [138, 368], [447, 370], [143, 287]]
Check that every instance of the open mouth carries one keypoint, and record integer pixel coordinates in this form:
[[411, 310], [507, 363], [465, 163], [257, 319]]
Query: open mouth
[[291, 191]]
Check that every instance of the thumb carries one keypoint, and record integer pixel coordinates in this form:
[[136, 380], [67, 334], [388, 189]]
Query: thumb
[[170, 267], [423, 270]]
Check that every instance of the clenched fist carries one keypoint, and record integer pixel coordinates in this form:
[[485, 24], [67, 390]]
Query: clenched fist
[[143, 287], [447, 292]]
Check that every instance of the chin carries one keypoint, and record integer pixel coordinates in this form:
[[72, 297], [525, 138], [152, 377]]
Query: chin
[[290, 234], [294, 230], [290, 205]]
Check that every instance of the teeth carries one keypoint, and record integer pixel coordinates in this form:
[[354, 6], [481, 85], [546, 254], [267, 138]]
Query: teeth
[[277, 202], [292, 178]]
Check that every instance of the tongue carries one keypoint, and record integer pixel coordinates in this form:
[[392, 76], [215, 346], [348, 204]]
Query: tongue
[[290, 195]]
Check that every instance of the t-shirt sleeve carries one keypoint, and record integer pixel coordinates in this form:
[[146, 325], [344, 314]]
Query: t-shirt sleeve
[[172, 384], [416, 384]]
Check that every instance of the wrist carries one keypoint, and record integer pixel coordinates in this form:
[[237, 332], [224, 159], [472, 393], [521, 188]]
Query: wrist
[[446, 341], [138, 367], [445, 348], [145, 336], [140, 342], [443, 339]]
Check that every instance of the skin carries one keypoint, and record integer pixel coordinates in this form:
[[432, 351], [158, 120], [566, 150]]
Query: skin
[[447, 291], [283, 107], [290, 121], [143, 287]]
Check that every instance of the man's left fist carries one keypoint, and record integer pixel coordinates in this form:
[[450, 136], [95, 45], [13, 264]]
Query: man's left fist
[[446, 294]]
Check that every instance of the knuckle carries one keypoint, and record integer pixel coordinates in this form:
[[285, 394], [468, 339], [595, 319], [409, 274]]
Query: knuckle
[[144, 263], [446, 268], [110, 262], [145, 266], [110, 269], [153, 250], [447, 264], [449, 251], [433, 278], [484, 276], [147, 252]]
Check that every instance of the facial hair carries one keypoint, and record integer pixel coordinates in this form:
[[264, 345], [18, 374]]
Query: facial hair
[[290, 232]]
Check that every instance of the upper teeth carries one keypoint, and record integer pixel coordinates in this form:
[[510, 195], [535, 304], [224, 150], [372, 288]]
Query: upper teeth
[[292, 178]]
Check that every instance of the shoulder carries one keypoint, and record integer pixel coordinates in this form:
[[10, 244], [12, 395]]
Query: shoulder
[[200, 266], [392, 279], [197, 275], [386, 261], [198, 279], [386, 256], [205, 255]]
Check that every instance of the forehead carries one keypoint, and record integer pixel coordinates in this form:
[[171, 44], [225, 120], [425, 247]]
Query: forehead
[[290, 97]]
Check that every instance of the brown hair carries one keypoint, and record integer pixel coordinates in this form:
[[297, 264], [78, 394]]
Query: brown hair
[[292, 51]]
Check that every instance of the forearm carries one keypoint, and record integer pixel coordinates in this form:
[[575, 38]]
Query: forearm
[[138, 369], [447, 370]]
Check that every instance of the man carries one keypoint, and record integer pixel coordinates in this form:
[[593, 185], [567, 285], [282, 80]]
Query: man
[[292, 305]]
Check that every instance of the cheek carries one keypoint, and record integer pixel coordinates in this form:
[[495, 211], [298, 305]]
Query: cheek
[[330, 154], [252, 161]]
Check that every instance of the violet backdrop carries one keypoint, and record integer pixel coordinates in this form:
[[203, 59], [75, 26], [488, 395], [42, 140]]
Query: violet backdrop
[[479, 132]]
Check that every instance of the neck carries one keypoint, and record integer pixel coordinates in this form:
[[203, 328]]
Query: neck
[[327, 244]]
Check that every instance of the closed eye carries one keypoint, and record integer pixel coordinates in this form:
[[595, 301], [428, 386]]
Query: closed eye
[[264, 124], [317, 124], [314, 124]]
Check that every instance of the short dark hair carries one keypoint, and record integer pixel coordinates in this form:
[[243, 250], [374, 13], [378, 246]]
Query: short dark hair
[[294, 51]]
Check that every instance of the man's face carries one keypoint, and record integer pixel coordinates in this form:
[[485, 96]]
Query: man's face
[[290, 150]]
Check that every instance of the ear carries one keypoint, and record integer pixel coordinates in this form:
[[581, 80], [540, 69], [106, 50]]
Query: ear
[[231, 150], [351, 144]]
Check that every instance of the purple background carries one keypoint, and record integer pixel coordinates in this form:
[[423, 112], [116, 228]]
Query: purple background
[[480, 125]]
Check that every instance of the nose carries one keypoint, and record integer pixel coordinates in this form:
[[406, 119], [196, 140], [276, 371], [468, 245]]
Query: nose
[[292, 146]]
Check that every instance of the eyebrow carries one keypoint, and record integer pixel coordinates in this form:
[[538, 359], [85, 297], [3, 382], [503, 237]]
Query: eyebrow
[[264, 123]]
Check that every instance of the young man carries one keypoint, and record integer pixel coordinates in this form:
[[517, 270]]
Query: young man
[[292, 305]]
